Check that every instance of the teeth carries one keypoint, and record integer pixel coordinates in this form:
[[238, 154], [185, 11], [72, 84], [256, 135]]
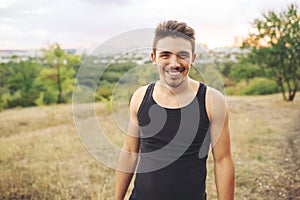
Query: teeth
[[174, 73]]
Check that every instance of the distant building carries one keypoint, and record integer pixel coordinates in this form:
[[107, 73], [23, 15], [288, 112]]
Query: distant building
[[24, 55], [139, 56], [17, 55], [225, 54]]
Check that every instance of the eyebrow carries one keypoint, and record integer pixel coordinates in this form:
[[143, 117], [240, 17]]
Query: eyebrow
[[169, 52], [183, 52], [165, 52]]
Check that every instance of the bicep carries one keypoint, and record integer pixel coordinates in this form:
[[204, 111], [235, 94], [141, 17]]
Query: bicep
[[219, 128], [221, 138], [131, 143], [130, 150]]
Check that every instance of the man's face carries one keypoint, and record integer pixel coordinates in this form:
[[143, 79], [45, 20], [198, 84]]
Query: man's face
[[173, 58]]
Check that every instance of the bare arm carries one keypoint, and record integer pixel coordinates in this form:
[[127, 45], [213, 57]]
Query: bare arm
[[125, 172], [220, 134], [130, 150]]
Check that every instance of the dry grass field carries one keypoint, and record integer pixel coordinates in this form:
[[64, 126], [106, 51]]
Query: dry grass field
[[42, 157]]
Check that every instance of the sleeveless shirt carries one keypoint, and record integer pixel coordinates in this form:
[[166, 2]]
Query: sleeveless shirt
[[174, 143]]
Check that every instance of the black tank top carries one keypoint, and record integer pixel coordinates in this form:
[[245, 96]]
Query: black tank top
[[174, 144]]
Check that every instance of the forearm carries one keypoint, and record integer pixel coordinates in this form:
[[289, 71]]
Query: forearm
[[126, 168], [225, 178], [123, 180]]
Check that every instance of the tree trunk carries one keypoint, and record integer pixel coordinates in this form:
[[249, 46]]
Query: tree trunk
[[59, 97], [282, 88], [292, 94]]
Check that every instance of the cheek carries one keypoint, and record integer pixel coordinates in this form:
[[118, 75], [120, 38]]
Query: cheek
[[187, 70], [161, 62], [159, 67]]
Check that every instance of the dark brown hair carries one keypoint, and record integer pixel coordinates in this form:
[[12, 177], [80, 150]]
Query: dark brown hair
[[174, 29]]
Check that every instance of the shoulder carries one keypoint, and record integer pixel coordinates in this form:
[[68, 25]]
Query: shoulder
[[137, 98], [214, 93], [215, 103]]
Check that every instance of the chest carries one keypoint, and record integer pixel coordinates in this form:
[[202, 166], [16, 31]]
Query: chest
[[173, 101]]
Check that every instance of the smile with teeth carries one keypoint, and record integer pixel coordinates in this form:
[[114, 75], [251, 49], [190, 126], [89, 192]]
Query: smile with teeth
[[174, 71]]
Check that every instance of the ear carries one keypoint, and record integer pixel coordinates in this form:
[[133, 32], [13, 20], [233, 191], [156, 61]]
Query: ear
[[153, 58], [193, 59]]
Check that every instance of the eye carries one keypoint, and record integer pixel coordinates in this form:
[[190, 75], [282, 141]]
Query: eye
[[164, 55], [183, 54]]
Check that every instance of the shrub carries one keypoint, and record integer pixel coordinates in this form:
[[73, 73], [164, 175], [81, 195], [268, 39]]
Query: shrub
[[260, 86]]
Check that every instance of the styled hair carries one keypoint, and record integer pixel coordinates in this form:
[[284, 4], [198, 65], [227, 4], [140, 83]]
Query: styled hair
[[174, 29]]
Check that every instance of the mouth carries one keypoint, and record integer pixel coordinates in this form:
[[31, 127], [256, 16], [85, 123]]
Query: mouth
[[174, 71]]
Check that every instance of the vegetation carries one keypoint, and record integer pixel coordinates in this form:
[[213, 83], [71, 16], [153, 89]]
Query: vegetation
[[58, 74], [245, 78], [38, 82], [275, 45]]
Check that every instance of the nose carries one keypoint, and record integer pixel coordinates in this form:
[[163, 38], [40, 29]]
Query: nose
[[174, 62]]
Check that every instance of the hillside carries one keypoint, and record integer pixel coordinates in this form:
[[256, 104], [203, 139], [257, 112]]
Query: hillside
[[41, 156]]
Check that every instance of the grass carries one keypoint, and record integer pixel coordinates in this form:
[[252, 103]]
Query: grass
[[42, 157], [48, 162]]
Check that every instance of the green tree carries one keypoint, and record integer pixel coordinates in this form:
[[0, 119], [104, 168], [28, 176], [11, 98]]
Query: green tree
[[275, 45], [4, 90], [244, 71], [58, 75], [17, 85]]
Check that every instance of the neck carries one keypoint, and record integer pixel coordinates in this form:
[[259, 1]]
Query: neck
[[182, 88]]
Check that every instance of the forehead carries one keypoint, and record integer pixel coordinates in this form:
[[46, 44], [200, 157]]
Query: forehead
[[173, 44]]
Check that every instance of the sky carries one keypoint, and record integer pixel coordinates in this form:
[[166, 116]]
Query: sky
[[34, 24]]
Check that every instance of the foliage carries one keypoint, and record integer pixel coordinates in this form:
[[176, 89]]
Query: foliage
[[260, 86], [122, 79], [37, 82], [275, 45], [255, 86], [58, 75], [18, 86], [243, 70]]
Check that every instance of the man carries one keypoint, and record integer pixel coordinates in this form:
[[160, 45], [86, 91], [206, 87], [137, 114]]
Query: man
[[171, 123]]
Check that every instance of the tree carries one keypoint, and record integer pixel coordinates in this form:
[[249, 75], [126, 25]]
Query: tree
[[17, 83], [275, 45], [21, 83], [245, 71], [59, 74]]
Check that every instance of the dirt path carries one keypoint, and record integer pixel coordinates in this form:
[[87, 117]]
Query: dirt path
[[293, 152], [276, 136]]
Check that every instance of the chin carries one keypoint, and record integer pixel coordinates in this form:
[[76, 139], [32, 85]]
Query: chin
[[174, 84]]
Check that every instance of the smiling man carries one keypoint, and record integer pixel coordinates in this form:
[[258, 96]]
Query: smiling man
[[172, 123]]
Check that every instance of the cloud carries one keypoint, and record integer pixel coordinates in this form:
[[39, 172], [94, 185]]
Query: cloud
[[106, 2], [71, 22]]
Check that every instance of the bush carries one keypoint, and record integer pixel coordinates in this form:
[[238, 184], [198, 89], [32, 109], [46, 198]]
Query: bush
[[236, 89], [255, 86], [244, 71], [260, 86], [103, 92]]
